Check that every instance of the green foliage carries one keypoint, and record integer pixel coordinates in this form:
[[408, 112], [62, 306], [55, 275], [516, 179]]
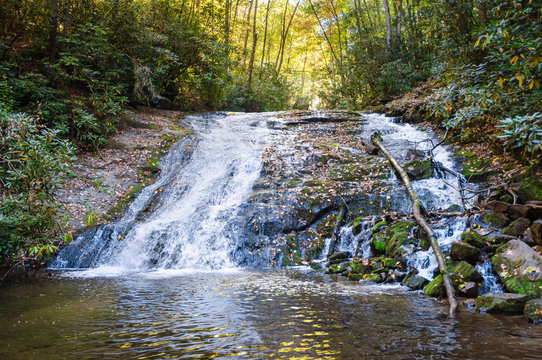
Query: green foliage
[[31, 159], [524, 134], [270, 92]]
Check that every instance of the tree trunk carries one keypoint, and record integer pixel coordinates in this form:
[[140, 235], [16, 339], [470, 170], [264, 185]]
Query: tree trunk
[[399, 21], [286, 35], [416, 210], [388, 26], [53, 30], [248, 29], [254, 43], [265, 35], [227, 23]]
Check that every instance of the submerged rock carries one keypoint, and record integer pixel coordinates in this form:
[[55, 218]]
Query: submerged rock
[[533, 311], [463, 251], [519, 268], [503, 303]]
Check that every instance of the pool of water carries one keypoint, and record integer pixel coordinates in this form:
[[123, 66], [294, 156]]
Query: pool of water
[[268, 314]]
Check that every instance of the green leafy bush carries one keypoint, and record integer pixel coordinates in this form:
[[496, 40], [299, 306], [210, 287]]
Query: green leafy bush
[[523, 134], [32, 157]]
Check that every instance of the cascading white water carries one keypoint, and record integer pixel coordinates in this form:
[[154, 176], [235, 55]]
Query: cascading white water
[[398, 139], [194, 225]]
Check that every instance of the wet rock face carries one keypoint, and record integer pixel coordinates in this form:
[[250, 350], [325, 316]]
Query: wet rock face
[[533, 311], [503, 303], [519, 268], [314, 167], [463, 251]]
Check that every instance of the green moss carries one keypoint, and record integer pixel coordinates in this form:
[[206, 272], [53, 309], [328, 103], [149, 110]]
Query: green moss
[[379, 241], [355, 277], [337, 268], [531, 189], [378, 225], [436, 287], [472, 238], [495, 219], [398, 239]]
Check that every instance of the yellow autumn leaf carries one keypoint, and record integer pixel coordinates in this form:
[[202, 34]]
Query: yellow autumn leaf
[[531, 84], [520, 79], [501, 81], [477, 42], [514, 60]]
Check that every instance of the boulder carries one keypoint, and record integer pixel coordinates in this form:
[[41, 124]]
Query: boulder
[[517, 227], [472, 238], [360, 267], [469, 289], [342, 255], [462, 251], [503, 303], [436, 287], [495, 219], [533, 311], [415, 282], [465, 272], [418, 169], [519, 268], [380, 240], [500, 239]]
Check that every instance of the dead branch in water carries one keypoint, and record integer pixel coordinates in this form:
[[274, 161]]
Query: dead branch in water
[[417, 212]]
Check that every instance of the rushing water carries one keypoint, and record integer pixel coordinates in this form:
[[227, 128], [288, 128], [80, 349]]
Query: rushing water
[[163, 283], [193, 226]]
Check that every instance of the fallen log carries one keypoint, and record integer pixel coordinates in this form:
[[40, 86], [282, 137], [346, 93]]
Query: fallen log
[[417, 212]]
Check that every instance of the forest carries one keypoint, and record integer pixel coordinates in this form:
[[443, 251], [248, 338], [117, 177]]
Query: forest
[[71, 72]]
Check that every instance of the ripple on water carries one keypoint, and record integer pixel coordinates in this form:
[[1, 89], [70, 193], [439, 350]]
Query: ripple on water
[[245, 315]]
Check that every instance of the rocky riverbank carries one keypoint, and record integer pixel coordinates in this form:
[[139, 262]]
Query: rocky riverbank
[[102, 183]]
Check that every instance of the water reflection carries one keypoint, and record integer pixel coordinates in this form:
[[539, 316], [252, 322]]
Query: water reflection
[[245, 315]]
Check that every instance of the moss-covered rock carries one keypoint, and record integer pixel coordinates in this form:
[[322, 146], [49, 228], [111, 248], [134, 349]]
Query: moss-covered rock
[[501, 303], [341, 255], [398, 239], [355, 277], [378, 226], [468, 289], [473, 238], [517, 227], [436, 287], [418, 169], [465, 272], [530, 189], [533, 311], [415, 282], [337, 268], [462, 251], [358, 267], [378, 242], [519, 268], [495, 219]]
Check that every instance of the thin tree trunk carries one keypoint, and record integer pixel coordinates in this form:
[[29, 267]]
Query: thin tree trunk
[[66, 24], [416, 210], [286, 35], [254, 43], [388, 26], [265, 35], [53, 30], [399, 21], [248, 29], [227, 23]]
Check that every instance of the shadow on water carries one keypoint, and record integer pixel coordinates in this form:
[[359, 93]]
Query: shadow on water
[[245, 314]]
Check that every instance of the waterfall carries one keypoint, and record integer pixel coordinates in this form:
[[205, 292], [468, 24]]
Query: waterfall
[[193, 223]]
